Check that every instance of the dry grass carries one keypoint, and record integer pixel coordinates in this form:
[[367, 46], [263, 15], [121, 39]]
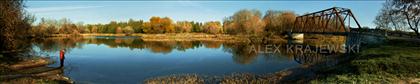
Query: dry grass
[[176, 79], [234, 78]]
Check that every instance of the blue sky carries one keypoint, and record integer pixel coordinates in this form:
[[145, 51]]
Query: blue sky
[[202, 11]]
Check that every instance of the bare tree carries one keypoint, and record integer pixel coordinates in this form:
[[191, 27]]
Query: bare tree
[[410, 9], [386, 20]]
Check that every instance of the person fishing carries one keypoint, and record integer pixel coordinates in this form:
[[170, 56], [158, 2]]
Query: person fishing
[[62, 57]]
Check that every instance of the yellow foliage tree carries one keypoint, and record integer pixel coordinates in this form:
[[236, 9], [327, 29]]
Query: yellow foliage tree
[[213, 27], [183, 27], [118, 30]]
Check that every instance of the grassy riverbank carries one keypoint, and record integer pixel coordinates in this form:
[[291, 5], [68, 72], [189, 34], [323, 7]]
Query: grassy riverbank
[[395, 61]]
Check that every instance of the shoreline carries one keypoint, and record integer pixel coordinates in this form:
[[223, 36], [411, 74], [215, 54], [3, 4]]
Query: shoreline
[[33, 70]]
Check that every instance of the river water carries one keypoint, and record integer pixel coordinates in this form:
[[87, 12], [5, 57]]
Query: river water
[[132, 60]]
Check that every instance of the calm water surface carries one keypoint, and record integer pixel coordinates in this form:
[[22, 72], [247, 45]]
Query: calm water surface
[[131, 60]]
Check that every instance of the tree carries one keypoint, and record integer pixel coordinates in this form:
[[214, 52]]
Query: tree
[[213, 27], [15, 26], [245, 22], [101, 28], [168, 25], [147, 27], [197, 27], [46, 27], [111, 27], [67, 27], [278, 21], [86, 30], [74, 29], [81, 27], [386, 20], [155, 25], [128, 30], [94, 29], [183, 27], [51, 30], [136, 25], [118, 30], [39, 30], [229, 26], [410, 10], [161, 25]]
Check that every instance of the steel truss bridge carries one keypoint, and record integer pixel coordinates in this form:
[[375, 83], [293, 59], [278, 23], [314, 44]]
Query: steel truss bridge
[[333, 20]]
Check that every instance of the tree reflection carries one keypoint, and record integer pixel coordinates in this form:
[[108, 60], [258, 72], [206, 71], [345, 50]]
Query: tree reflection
[[55, 44], [242, 52], [187, 45], [212, 44], [161, 47], [315, 57], [316, 39]]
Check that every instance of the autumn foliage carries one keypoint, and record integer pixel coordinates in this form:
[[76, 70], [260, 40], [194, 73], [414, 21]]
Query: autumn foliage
[[242, 22], [278, 21], [212, 27], [14, 29], [183, 27]]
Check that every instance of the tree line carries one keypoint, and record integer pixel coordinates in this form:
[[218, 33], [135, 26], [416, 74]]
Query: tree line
[[242, 22], [399, 15]]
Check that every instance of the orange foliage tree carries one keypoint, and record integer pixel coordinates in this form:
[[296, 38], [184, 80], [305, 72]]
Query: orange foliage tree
[[161, 25]]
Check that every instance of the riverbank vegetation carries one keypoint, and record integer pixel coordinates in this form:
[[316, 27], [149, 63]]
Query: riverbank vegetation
[[13, 26], [395, 61]]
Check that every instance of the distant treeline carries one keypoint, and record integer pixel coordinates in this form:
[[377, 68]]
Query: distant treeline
[[242, 22]]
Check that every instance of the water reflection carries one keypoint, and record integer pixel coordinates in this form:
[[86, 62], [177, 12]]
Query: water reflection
[[144, 58], [324, 50], [241, 52]]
